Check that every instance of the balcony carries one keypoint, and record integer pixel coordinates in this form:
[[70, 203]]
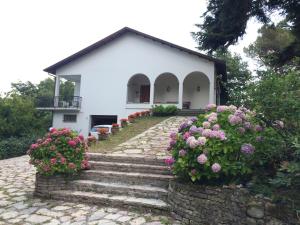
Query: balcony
[[57, 103]]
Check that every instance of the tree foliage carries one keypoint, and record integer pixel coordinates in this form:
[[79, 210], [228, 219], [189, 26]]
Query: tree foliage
[[225, 21], [269, 45], [238, 77]]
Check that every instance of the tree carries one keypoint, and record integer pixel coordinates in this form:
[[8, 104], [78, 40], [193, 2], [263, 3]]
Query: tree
[[225, 21], [238, 77], [270, 43]]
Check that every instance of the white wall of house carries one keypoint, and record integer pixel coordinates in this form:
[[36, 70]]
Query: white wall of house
[[166, 89], [105, 73], [196, 90]]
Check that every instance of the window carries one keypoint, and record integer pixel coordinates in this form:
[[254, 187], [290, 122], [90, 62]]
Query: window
[[70, 118]]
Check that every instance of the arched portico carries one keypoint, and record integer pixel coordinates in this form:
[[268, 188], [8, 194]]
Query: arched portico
[[138, 89], [166, 89], [196, 91]]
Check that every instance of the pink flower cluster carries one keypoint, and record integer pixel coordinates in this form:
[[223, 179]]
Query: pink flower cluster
[[170, 161]]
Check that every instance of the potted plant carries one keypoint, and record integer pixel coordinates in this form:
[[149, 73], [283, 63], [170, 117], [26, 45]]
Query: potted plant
[[131, 118], [91, 140], [59, 152], [102, 134], [115, 128], [123, 122]]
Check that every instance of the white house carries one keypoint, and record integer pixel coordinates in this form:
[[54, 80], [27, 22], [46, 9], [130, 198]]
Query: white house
[[129, 71]]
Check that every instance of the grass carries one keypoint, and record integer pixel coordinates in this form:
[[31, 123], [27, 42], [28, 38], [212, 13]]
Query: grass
[[139, 126]]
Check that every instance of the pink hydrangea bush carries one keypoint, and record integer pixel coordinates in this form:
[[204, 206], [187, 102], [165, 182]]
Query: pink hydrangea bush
[[225, 144], [61, 151]]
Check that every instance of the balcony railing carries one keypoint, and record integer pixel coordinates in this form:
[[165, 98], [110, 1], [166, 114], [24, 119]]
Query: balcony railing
[[59, 102]]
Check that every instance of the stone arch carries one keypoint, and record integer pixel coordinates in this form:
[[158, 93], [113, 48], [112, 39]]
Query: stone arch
[[196, 91], [166, 89], [138, 89]]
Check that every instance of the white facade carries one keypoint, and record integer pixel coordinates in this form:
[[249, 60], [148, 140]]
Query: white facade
[[104, 75]]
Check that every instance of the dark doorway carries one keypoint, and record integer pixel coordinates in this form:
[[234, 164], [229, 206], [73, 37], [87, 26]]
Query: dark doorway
[[145, 93], [103, 120]]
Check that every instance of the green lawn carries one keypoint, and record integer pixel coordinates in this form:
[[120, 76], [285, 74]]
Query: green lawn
[[139, 126]]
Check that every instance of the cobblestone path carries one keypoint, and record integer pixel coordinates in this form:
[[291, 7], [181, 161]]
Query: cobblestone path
[[153, 141], [19, 206]]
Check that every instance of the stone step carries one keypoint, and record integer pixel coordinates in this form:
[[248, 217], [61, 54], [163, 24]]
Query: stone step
[[123, 201], [136, 159], [139, 191], [190, 112], [129, 167], [156, 180]]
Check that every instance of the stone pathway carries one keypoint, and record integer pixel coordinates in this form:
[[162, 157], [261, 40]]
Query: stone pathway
[[19, 206], [153, 141]]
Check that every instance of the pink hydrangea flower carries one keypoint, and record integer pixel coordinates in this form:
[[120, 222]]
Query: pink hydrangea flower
[[172, 142], [53, 161], [241, 130], [186, 135], [216, 127], [247, 125], [247, 148], [182, 152], [81, 137], [34, 146], [206, 124], [212, 119], [232, 108], [234, 120], [202, 159], [216, 167], [72, 143], [258, 128], [206, 133], [170, 161], [193, 143], [222, 108], [221, 135], [211, 106], [173, 135], [202, 141], [189, 139], [71, 165], [63, 160]]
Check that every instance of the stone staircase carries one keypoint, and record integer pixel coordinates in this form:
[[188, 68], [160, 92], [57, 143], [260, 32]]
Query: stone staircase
[[190, 112], [121, 181]]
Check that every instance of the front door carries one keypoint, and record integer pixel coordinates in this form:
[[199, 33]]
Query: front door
[[145, 93]]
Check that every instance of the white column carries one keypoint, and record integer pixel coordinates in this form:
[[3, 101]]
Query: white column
[[212, 98], [57, 84], [56, 92], [77, 88], [180, 94], [151, 93]]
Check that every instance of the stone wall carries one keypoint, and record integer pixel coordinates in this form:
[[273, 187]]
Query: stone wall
[[201, 205], [207, 205], [45, 184]]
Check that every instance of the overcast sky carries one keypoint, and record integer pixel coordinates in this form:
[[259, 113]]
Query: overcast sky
[[37, 33]]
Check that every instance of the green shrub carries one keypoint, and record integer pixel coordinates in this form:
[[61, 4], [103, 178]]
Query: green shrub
[[225, 145], [160, 110], [13, 146], [60, 151]]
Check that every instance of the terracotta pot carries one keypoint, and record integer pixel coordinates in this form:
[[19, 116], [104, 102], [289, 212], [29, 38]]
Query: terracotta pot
[[102, 137], [114, 130]]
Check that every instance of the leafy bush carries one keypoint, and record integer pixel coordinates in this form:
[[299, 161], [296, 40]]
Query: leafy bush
[[15, 146], [160, 110], [224, 145], [60, 151]]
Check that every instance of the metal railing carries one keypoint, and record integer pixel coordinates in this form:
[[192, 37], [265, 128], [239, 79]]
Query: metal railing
[[67, 102]]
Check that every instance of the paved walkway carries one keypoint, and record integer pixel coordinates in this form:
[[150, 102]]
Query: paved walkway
[[152, 141], [19, 206]]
